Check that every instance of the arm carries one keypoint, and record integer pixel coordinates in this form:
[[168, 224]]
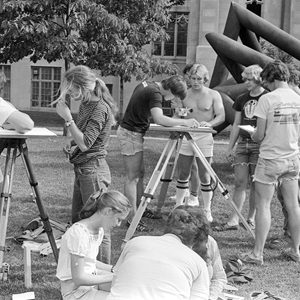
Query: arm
[[63, 110], [234, 134], [219, 278], [160, 119], [102, 266], [219, 111], [80, 277], [200, 287], [260, 131], [19, 121]]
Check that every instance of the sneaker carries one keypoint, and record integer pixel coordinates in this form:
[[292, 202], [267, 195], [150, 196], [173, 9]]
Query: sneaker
[[207, 213], [192, 201], [291, 255], [249, 258]]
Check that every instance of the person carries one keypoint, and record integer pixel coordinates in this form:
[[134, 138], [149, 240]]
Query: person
[[194, 178], [245, 155], [10, 117], [207, 247], [206, 106], [78, 269], [90, 136], [293, 82], [277, 132], [164, 267], [145, 102]]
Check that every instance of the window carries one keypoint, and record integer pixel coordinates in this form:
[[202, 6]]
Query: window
[[176, 45], [6, 91], [45, 85]]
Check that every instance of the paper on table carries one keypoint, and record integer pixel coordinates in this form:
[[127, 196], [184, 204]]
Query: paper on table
[[248, 128], [23, 296]]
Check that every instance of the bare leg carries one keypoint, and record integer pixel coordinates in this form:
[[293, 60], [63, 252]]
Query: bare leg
[[184, 165], [289, 189], [263, 197], [241, 174], [194, 180], [134, 170], [206, 190], [251, 212]]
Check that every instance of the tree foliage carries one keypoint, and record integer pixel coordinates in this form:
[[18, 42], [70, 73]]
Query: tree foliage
[[109, 35]]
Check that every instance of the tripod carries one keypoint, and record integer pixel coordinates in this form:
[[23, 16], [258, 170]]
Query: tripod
[[13, 146], [164, 172]]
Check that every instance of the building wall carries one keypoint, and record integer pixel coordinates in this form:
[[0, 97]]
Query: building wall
[[204, 16]]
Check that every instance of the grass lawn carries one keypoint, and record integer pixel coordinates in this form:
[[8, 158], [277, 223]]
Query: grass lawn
[[55, 177]]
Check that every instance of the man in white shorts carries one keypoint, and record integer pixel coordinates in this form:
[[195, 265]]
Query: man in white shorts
[[206, 106]]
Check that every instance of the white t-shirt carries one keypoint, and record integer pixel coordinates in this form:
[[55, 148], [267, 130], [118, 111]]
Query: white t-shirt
[[281, 109], [6, 109], [159, 267], [79, 241]]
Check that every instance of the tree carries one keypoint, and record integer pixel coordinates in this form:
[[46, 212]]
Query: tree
[[109, 35]]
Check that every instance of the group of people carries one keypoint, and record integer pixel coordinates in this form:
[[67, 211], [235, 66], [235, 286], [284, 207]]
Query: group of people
[[184, 262]]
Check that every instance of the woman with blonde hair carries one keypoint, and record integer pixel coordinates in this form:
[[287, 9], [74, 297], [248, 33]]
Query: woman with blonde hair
[[78, 270], [90, 134]]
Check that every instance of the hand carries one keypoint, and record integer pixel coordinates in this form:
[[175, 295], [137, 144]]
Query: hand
[[63, 110], [205, 124], [192, 123]]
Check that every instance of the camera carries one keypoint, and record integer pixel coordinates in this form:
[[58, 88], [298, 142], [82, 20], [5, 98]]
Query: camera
[[183, 111]]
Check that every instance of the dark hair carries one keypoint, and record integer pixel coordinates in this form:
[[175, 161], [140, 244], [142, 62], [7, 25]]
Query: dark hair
[[187, 223], [276, 70], [99, 200], [176, 84], [187, 68]]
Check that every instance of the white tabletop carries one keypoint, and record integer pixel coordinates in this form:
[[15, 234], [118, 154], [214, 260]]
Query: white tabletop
[[155, 127], [36, 132]]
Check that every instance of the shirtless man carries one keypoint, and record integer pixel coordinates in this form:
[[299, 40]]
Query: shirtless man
[[206, 106]]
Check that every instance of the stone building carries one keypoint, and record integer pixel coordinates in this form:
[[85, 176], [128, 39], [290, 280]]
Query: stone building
[[33, 86]]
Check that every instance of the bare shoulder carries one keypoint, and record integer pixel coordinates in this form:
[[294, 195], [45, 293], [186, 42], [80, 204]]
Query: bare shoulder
[[214, 94]]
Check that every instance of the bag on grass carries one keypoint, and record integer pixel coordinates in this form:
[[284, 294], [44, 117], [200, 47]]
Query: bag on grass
[[236, 271]]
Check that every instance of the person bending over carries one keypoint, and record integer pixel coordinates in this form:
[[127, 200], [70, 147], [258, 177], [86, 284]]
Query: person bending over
[[144, 104], [164, 267]]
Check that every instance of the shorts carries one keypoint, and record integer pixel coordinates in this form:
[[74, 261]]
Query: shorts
[[131, 142], [246, 152], [270, 171], [203, 140]]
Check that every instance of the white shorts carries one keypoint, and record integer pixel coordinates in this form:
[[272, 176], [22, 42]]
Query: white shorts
[[203, 140]]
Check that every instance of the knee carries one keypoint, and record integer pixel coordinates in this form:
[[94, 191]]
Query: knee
[[240, 183]]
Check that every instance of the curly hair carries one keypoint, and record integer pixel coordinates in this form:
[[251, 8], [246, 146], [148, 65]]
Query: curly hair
[[200, 69], [187, 223], [276, 70], [252, 72]]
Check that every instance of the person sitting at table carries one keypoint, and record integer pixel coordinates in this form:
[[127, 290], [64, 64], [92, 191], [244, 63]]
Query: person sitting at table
[[10, 117], [164, 267]]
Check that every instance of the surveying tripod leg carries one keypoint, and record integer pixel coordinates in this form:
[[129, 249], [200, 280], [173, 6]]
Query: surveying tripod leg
[[223, 190], [167, 178], [44, 217], [4, 206], [151, 187]]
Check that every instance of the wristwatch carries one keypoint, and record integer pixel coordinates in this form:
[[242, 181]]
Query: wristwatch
[[68, 123]]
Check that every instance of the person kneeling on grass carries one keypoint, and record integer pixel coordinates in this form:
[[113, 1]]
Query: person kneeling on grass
[[164, 267], [78, 270]]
